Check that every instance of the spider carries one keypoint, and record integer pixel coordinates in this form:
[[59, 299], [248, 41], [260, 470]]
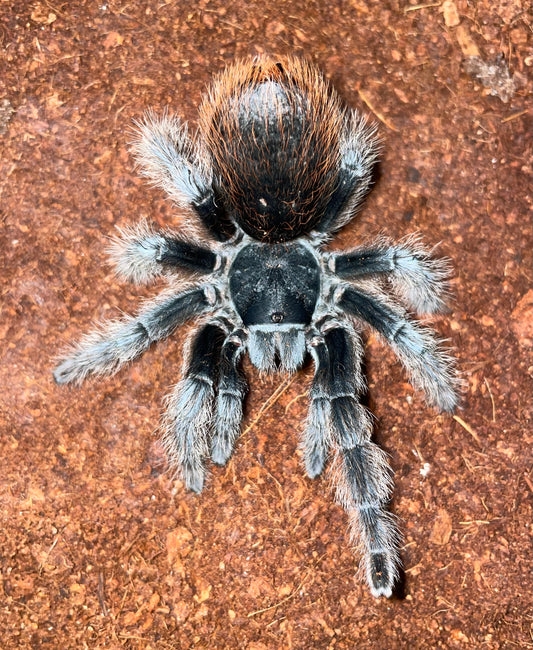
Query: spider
[[277, 166]]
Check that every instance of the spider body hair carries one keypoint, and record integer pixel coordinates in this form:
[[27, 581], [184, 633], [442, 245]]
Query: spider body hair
[[278, 164], [261, 122]]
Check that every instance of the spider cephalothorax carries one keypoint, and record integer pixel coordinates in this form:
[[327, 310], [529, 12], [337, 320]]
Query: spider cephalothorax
[[277, 166]]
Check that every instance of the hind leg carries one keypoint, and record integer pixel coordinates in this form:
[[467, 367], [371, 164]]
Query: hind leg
[[364, 478]]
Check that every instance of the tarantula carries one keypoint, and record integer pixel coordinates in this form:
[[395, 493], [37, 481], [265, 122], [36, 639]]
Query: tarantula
[[277, 166]]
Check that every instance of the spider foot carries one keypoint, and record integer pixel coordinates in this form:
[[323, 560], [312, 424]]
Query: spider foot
[[193, 476], [221, 450], [381, 575]]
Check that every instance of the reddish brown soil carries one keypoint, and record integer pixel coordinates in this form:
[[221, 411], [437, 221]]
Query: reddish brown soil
[[99, 549]]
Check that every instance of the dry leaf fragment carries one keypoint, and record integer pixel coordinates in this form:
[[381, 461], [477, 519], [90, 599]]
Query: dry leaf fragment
[[6, 111], [42, 16], [450, 13], [522, 319], [467, 45], [493, 75], [203, 590], [442, 528], [179, 544], [113, 39]]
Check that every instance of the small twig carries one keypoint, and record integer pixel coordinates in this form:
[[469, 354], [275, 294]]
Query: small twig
[[227, 22], [291, 595], [294, 399], [418, 7], [514, 116], [421, 458], [54, 9], [123, 601], [41, 564], [491, 399], [284, 501], [270, 403], [440, 599], [413, 568], [468, 464], [379, 115], [101, 594], [468, 428]]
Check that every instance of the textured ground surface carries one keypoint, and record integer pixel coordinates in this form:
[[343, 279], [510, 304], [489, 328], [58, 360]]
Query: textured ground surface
[[98, 548]]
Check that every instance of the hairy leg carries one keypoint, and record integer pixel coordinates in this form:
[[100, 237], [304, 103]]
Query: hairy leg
[[420, 279], [231, 391], [106, 349], [363, 477], [141, 254], [359, 148], [317, 439], [429, 367], [175, 163], [188, 419]]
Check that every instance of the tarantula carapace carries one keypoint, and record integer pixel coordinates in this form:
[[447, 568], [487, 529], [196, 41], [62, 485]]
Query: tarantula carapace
[[278, 164]]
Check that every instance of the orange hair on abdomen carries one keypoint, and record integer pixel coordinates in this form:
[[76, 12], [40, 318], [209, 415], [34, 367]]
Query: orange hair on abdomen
[[271, 127]]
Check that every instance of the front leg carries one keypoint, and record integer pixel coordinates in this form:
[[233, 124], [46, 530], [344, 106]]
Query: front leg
[[359, 148], [330, 387], [178, 164], [364, 478]]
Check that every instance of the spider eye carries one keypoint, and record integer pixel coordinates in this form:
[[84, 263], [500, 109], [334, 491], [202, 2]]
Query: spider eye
[[277, 317]]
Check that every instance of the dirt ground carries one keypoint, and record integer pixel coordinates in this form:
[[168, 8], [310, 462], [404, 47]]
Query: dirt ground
[[99, 547]]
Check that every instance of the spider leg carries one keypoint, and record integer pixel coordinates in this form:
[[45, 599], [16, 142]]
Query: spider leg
[[231, 391], [364, 477], [188, 418], [419, 278], [429, 367], [105, 350], [179, 166], [359, 148], [141, 254], [317, 438]]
